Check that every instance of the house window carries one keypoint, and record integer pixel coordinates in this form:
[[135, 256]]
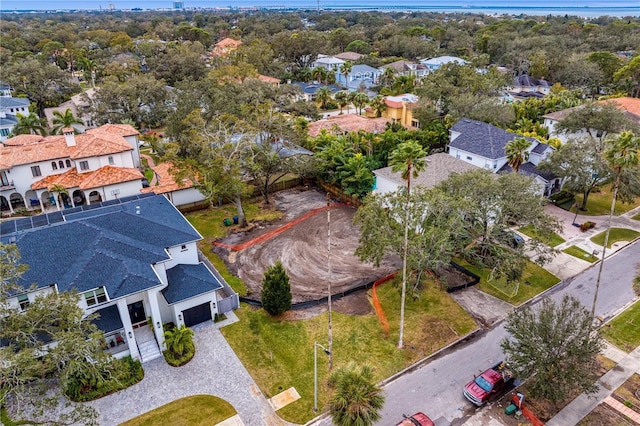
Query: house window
[[35, 171], [4, 132], [95, 297], [111, 160], [61, 163], [68, 163], [84, 165], [23, 300], [54, 166], [469, 158], [183, 248]]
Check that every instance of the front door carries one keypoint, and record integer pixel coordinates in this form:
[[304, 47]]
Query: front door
[[136, 312]]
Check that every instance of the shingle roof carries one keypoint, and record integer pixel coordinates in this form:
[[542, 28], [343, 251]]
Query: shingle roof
[[113, 246], [439, 167], [528, 169], [349, 56], [109, 319], [525, 80], [186, 281], [540, 148], [10, 102], [312, 88], [482, 139]]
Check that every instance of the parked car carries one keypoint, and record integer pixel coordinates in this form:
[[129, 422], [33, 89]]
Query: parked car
[[491, 383], [417, 419]]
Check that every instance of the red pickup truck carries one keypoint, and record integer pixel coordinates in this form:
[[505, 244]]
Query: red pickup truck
[[490, 383]]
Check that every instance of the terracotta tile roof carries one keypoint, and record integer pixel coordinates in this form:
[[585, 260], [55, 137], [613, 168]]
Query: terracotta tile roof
[[166, 181], [228, 42], [26, 149], [115, 129], [104, 176], [630, 105], [267, 79], [348, 123], [349, 56]]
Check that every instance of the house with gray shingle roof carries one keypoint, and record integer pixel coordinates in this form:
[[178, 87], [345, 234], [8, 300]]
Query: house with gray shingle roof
[[483, 145], [9, 107], [133, 261]]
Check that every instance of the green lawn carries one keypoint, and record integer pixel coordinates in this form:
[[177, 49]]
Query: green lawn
[[580, 254], [615, 235], [279, 353], [636, 217], [534, 281], [599, 203], [209, 223], [624, 330], [197, 410], [552, 240]]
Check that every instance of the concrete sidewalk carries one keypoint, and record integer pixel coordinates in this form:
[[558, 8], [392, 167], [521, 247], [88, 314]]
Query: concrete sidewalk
[[584, 404]]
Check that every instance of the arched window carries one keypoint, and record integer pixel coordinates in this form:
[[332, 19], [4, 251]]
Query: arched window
[[68, 163], [111, 160], [61, 163], [54, 166]]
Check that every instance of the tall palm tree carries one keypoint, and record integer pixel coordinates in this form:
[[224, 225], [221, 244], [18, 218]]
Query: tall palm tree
[[357, 399], [387, 77], [408, 159], [323, 96], [517, 154], [378, 104], [622, 154], [58, 189], [345, 69], [29, 124], [359, 100], [342, 98], [319, 74], [89, 68], [62, 120]]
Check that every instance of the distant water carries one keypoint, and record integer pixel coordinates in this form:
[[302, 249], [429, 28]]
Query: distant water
[[585, 8]]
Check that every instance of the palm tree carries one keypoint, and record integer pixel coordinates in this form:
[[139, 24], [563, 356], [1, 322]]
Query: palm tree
[[378, 105], [342, 98], [403, 84], [63, 120], [319, 74], [58, 189], [517, 154], [387, 77], [323, 96], [345, 69], [359, 100], [357, 400], [29, 125], [179, 340], [622, 154], [408, 159]]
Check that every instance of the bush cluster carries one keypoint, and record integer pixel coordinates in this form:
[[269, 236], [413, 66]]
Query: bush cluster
[[562, 197], [124, 372], [587, 225]]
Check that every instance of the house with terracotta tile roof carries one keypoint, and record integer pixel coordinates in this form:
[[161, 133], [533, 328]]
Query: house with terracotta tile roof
[[399, 109], [629, 106], [99, 165], [133, 261], [346, 123], [180, 193], [225, 46]]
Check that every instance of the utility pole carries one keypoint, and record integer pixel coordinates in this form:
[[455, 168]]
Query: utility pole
[[329, 280]]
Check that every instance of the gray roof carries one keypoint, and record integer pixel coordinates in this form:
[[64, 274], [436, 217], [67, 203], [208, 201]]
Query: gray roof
[[312, 88], [109, 319], [111, 246], [364, 68], [483, 139], [528, 169], [186, 281], [540, 148], [9, 102], [525, 80], [8, 120], [439, 167]]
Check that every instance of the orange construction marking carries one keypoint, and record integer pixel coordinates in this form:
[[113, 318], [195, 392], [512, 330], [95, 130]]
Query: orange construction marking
[[378, 307], [268, 235]]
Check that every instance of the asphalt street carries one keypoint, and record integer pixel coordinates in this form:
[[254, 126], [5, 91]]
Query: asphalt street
[[436, 388]]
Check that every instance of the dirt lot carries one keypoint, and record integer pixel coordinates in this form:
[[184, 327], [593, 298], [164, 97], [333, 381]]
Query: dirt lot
[[302, 249]]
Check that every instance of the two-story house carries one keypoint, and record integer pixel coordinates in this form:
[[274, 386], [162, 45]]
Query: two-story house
[[329, 63], [361, 77], [483, 145], [99, 165], [9, 107], [525, 86], [433, 64], [133, 261], [407, 68], [399, 109]]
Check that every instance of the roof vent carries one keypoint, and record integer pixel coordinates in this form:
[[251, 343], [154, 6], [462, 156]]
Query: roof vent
[[137, 209]]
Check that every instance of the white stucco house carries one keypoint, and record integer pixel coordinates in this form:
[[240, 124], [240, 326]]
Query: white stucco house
[[133, 261], [483, 144], [433, 64], [329, 63], [9, 107], [181, 194], [99, 165]]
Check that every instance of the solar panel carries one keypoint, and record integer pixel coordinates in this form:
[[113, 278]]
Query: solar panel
[[55, 217], [23, 223], [71, 211], [8, 227], [39, 220], [110, 202], [91, 207]]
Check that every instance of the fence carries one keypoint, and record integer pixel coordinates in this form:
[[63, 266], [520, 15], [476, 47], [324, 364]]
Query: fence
[[475, 279], [231, 300], [339, 194]]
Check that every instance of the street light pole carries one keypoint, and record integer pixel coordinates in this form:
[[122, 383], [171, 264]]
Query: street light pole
[[315, 373]]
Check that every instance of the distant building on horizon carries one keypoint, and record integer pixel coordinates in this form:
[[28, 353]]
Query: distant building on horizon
[[178, 5]]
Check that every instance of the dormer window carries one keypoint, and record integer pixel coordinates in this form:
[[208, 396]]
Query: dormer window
[[84, 165], [61, 164], [110, 160], [23, 300], [95, 297], [54, 166], [68, 163]]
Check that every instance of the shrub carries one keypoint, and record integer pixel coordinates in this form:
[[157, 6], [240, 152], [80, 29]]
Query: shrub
[[175, 360], [180, 347], [122, 373], [562, 197], [276, 291], [587, 225]]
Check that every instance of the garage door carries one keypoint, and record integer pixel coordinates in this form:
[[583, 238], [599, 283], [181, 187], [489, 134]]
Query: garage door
[[197, 314]]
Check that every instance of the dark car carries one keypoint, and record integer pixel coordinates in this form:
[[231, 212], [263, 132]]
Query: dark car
[[417, 419]]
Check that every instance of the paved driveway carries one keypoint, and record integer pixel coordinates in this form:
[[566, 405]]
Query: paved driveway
[[215, 370]]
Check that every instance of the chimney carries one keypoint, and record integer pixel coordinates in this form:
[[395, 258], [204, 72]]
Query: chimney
[[69, 136]]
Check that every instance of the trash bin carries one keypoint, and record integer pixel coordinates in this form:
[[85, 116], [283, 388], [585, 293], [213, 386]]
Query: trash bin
[[511, 409], [227, 221], [235, 220]]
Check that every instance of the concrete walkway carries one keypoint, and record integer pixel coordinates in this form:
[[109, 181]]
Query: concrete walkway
[[215, 370], [584, 404], [150, 164]]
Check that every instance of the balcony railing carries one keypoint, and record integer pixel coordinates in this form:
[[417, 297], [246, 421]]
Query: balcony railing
[[5, 186]]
